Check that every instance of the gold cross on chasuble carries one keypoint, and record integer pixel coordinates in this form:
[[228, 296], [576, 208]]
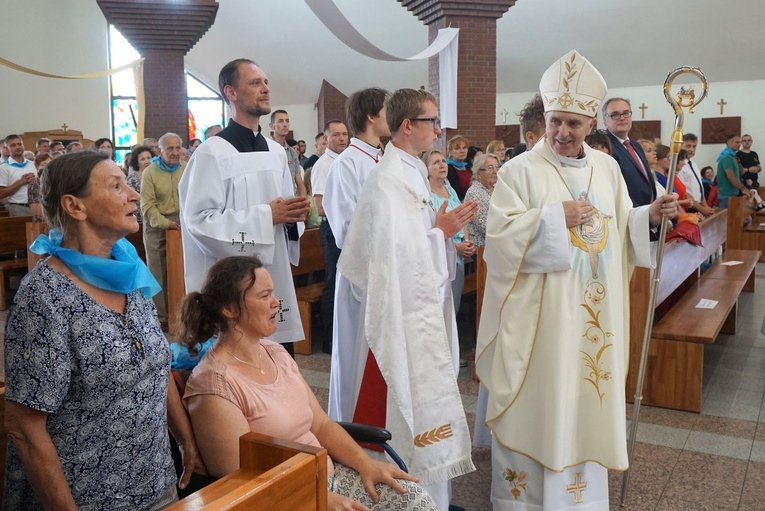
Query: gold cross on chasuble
[[577, 488]]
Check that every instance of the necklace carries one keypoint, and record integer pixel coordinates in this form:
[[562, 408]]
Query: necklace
[[260, 362]]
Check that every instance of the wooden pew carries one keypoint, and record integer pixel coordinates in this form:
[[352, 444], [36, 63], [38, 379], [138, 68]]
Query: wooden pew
[[276, 475], [176, 284], [749, 237], [311, 261], [674, 372], [33, 230], [12, 238]]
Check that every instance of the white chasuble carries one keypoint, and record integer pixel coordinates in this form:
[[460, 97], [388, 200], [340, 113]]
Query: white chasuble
[[398, 259], [224, 197], [554, 332]]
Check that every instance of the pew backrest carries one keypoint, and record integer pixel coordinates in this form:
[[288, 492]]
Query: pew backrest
[[274, 474], [13, 234]]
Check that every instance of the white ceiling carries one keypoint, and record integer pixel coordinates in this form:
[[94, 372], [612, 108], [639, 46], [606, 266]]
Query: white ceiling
[[632, 43]]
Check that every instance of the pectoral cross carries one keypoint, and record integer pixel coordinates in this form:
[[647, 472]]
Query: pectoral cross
[[241, 241], [504, 113], [281, 311], [577, 488], [643, 108], [722, 104]]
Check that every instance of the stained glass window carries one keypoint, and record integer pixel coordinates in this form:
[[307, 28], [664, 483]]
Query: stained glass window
[[205, 107]]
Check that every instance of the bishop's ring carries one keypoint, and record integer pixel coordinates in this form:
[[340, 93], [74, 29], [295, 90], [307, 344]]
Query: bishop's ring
[[584, 215]]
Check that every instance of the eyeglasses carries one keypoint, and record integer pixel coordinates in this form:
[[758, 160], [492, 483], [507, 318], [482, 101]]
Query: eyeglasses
[[436, 121], [489, 167], [623, 115]]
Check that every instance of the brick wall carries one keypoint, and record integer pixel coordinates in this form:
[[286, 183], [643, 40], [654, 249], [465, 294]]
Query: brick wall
[[165, 91], [477, 77], [331, 105]]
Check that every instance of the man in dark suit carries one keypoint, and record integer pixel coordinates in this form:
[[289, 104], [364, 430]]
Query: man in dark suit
[[617, 114]]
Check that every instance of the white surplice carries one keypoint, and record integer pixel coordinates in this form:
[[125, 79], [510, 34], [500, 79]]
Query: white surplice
[[553, 341], [402, 275], [342, 190], [224, 198]]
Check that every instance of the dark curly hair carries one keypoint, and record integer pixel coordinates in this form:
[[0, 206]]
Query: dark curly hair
[[200, 315]]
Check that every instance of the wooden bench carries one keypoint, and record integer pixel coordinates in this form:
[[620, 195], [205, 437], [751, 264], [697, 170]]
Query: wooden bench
[[276, 475], [745, 237], [674, 373], [12, 238], [311, 261]]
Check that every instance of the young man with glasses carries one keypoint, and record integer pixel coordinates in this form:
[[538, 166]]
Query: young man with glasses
[[400, 258], [617, 115]]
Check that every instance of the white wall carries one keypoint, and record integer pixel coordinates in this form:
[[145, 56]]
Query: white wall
[[65, 37], [303, 119], [739, 96]]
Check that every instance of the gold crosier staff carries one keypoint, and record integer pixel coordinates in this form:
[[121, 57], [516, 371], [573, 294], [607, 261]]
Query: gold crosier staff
[[686, 98]]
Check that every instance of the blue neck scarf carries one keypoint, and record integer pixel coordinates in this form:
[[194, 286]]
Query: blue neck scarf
[[164, 166], [123, 273], [706, 181], [459, 164], [726, 152]]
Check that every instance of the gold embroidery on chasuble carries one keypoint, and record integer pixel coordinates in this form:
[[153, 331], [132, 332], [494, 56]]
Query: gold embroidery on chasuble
[[516, 481], [591, 237], [577, 488], [596, 374]]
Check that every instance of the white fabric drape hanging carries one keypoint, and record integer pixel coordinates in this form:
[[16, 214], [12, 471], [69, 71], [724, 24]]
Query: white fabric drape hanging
[[446, 45], [137, 66]]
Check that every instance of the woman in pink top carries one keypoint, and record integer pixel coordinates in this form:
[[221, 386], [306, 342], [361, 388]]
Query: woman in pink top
[[247, 383]]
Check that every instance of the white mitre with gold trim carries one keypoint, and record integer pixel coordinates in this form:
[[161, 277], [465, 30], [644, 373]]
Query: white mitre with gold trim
[[572, 85]]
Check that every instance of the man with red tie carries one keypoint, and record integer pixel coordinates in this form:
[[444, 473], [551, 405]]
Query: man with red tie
[[617, 114]]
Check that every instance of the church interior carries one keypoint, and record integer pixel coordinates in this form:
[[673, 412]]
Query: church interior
[[700, 445]]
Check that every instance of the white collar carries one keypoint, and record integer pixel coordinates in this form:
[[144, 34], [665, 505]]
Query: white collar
[[363, 146], [410, 160]]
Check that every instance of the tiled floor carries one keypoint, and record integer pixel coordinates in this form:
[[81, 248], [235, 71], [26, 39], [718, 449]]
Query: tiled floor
[[685, 461]]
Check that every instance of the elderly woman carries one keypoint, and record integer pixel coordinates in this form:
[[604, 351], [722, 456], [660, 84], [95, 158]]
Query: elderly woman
[[86, 366], [246, 383], [441, 191], [485, 171], [140, 158], [104, 145]]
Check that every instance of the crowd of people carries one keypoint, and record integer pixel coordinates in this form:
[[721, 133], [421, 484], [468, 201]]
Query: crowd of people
[[88, 385]]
